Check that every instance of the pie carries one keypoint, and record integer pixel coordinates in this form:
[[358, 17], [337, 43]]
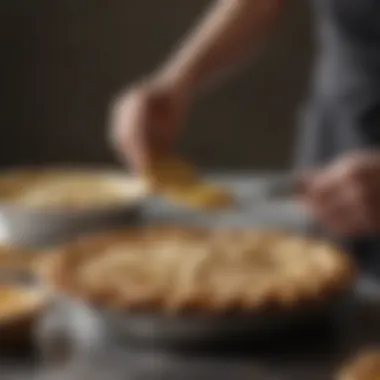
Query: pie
[[17, 301], [366, 366], [189, 270], [20, 307], [179, 182], [14, 258], [68, 189]]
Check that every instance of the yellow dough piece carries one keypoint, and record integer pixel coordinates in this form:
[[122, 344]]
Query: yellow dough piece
[[200, 196], [171, 172], [178, 182]]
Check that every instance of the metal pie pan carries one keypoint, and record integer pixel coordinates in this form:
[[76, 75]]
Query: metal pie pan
[[17, 331], [44, 227], [196, 330]]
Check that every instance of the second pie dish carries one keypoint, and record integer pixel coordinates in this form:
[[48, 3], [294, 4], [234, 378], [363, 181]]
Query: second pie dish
[[47, 205]]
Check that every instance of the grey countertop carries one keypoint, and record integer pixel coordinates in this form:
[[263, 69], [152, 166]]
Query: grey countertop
[[316, 357]]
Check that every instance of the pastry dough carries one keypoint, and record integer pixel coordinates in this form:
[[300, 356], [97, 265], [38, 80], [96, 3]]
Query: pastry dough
[[178, 182]]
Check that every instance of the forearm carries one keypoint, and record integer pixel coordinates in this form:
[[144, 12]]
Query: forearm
[[230, 30]]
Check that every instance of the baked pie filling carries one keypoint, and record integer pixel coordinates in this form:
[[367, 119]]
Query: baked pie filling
[[190, 270], [366, 366]]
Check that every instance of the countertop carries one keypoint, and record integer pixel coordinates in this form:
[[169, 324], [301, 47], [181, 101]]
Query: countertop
[[313, 354]]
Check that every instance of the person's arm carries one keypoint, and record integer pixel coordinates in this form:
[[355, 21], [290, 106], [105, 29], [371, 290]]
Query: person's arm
[[147, 119], [227, 34]]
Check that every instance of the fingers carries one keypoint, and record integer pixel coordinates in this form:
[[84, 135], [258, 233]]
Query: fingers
[[126, 139], [344, 199], [130, 119], [144, 125], [342, 212]]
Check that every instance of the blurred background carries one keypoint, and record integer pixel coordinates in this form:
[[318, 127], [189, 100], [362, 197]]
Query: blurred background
[[63, 61]]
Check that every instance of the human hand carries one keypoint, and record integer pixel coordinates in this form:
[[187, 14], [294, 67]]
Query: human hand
[[146, 121], [345, 196]]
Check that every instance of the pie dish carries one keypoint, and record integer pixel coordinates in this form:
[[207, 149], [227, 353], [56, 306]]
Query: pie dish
[[198, 271], [47, 189], [366, 366], [20, 308], [20, 304]]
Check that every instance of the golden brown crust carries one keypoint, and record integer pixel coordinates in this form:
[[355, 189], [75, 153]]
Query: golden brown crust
[[64, 189], [199, 270], [17, 301], [365, 366], [14, 258], [19, 310]]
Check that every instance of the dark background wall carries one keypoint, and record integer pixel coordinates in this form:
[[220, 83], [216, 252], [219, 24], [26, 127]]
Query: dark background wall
[[62, 61]]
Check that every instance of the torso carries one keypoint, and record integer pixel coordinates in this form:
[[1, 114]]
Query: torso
[[342, 112]]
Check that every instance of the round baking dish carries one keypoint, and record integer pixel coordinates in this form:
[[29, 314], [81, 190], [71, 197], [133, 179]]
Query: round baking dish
[[22, 304], [44, 226]]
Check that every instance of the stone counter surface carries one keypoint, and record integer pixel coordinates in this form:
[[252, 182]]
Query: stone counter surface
[[310, 355]]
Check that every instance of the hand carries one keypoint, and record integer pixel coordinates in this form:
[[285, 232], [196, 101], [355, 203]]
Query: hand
[[146, 121], [345, 197]]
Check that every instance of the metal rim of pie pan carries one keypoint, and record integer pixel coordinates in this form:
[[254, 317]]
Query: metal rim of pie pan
[[187, 331]]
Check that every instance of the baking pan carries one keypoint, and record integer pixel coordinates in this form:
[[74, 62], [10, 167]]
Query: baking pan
[[18, 332], [196, 330], [41, 228]]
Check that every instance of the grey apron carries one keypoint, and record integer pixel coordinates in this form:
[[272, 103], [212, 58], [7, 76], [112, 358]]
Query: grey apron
[[343, 110]]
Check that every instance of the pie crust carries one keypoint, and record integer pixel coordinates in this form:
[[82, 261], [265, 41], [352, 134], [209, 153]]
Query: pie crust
[[189, 270], [20, 308], [14, 258], [17, 301], [57, 189], [366, 366]]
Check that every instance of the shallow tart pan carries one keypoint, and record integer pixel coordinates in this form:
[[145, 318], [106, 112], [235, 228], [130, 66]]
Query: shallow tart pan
[[40, 227]]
